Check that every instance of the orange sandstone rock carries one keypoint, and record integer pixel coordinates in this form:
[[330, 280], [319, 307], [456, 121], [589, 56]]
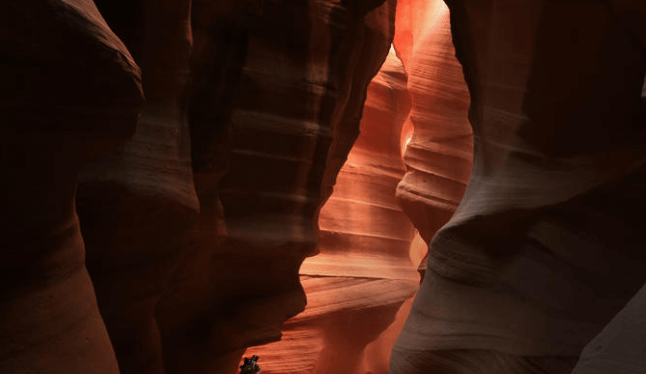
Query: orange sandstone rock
[[439, 153], [363, 273]]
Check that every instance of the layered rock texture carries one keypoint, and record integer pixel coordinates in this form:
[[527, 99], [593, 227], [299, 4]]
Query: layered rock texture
[[363, 273], [230, 273], [188, 310], [57, 114], [439, 145], [188, 271], [212, 145], [544, 248], [296, 115], [137, 204]]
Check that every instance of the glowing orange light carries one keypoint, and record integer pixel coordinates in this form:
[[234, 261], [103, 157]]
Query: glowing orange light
[[406, 135]]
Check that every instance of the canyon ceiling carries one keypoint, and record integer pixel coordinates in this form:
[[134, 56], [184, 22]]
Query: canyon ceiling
[[338, 187]]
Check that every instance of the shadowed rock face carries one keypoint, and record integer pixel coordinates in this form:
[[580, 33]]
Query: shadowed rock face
[[619, 346], [185, 312], [58, 111], [137, 204], [529, 268]]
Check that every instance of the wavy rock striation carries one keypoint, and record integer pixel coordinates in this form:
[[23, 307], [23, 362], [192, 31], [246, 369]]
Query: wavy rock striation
[[439, 153], [186, 312], [270, 128], [70, 92], [363, 273], [137, 204], [189, 271], [530, 268]]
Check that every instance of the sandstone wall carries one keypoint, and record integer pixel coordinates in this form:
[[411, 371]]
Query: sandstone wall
[[543, 249], [363, 273], [189, 269], [439, 140], [70, 92]]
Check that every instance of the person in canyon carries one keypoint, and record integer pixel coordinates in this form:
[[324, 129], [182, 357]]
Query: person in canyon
[[250, 366]]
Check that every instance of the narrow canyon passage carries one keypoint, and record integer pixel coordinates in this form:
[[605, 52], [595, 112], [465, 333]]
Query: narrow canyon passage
[[333, 186], [413, 152], [363, 272]]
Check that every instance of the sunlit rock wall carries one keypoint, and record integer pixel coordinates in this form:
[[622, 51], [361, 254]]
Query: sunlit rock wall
[[546, 245], [70, 92], [363, 273], [296, 114], [363, 231], [439, 150]]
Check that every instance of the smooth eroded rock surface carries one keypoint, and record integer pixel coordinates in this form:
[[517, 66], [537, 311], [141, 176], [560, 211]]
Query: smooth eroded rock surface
[[439, 141], [363, 273], [70, 92], [186, 312], [137, 203], [619, 347], [543, 250]]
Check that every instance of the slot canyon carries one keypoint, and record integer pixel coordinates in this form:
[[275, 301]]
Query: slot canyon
[[324, 186]]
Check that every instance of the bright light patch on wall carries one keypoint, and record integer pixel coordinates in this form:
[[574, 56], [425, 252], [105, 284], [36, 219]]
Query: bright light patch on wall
[[406, 135]]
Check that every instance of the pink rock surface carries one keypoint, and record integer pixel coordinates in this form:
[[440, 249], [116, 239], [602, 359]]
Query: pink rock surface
[[301, 94], [363, 273], [439, 153], [363, 231]]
